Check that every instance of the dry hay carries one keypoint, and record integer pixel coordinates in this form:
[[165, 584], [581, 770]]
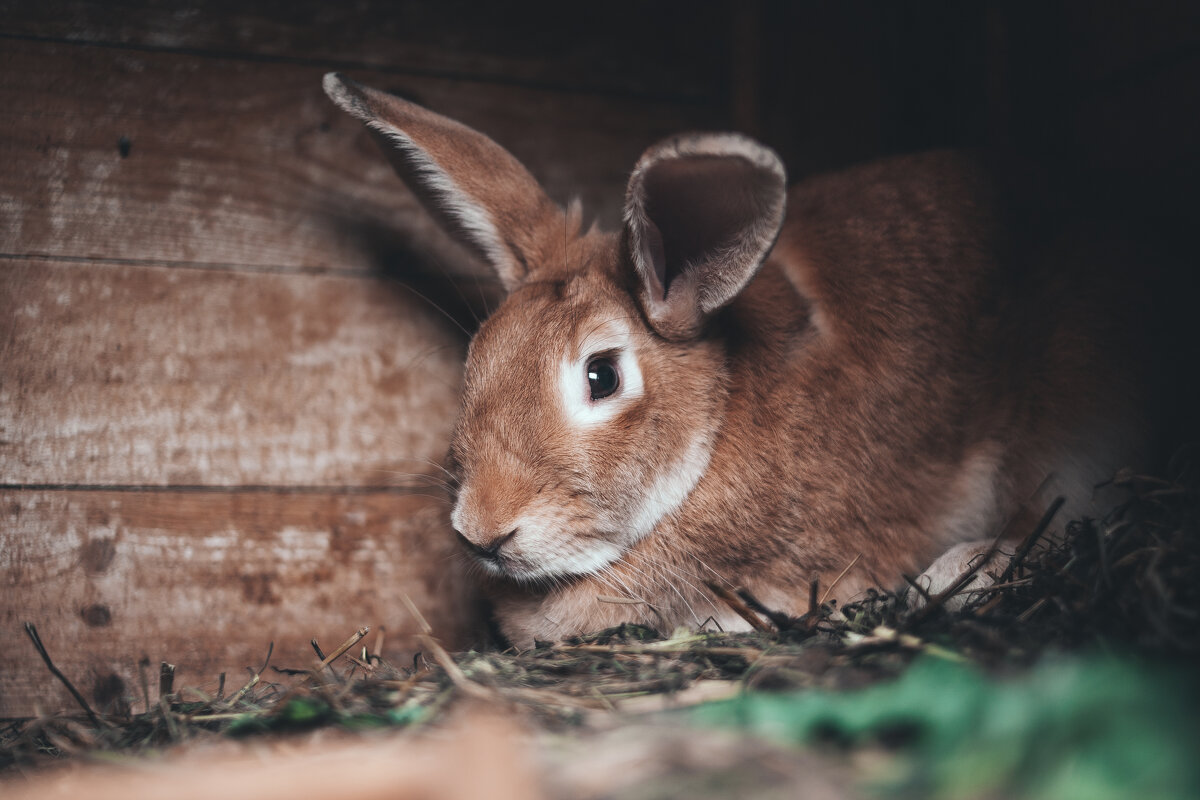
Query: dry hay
[[1129, 582]]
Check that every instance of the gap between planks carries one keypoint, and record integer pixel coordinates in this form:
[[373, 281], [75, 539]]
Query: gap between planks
[[366, 66], [207, 266]]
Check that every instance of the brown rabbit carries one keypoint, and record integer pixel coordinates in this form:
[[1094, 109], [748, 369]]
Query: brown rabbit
[[725, 392]]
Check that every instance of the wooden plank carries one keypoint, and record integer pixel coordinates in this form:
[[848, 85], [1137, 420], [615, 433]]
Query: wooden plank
[[169, 376], [143, 155], [666, 49], [206, 580]]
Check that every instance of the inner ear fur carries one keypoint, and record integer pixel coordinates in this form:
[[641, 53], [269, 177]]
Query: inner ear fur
[[701, 214], [474, 187]]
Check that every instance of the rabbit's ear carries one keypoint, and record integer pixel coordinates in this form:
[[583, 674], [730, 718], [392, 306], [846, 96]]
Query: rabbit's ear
[[701, 214], [475, 187]]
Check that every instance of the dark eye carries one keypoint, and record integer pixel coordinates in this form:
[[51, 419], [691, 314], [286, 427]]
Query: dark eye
[[603, 378]]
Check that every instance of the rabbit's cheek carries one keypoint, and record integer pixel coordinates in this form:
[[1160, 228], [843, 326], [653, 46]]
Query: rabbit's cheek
[[668, 489]]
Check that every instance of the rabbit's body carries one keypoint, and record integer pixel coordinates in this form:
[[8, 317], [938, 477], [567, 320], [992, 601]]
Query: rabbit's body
[[901, 374], [915, 412]]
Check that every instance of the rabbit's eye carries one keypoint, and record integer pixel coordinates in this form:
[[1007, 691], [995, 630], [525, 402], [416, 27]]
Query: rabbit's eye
[[603, 378]]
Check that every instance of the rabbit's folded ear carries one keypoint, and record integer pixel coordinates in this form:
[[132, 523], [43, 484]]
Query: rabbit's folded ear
[[475, 187], [701, 214]]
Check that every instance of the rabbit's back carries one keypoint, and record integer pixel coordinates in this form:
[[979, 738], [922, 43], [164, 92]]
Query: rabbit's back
[[967, 359]]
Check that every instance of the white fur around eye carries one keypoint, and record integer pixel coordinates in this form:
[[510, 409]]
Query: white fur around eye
[[615, 342]]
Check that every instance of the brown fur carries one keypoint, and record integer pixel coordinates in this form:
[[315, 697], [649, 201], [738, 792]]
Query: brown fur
[[901, 374]]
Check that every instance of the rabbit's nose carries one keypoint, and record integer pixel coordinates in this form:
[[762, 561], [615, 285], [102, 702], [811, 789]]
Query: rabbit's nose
[[489, 550]]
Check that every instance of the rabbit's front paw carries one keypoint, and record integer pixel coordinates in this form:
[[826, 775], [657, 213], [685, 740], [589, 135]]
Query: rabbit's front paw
[[950, 566]]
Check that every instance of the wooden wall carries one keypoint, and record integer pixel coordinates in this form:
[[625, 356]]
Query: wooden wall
[[220, 359], [214, 375]]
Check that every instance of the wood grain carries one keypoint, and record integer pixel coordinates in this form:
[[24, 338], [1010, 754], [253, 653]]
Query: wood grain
[[666, 49], [210, 380], [159, 156], [206, 580], [170, 376]]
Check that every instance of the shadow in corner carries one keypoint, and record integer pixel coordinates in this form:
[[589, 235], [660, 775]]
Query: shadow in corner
[[445, 275]]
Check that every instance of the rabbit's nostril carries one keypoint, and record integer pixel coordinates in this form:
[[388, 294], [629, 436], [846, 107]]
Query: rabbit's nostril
[[490, 551]]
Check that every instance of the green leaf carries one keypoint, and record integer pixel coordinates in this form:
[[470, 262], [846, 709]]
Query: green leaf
[[1095, 729]]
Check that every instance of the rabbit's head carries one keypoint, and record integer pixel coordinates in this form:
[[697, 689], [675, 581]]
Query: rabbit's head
[[594, 392]]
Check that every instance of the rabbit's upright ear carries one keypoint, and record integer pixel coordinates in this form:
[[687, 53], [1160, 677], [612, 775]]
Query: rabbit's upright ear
[[701, 214], [475, 187]]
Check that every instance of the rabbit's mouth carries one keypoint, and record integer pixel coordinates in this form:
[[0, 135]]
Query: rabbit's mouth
[[531, 554], [563, 529], [547, 532]]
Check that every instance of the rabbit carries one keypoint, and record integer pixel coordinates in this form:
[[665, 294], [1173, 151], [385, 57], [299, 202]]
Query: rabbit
[[751, 386]]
